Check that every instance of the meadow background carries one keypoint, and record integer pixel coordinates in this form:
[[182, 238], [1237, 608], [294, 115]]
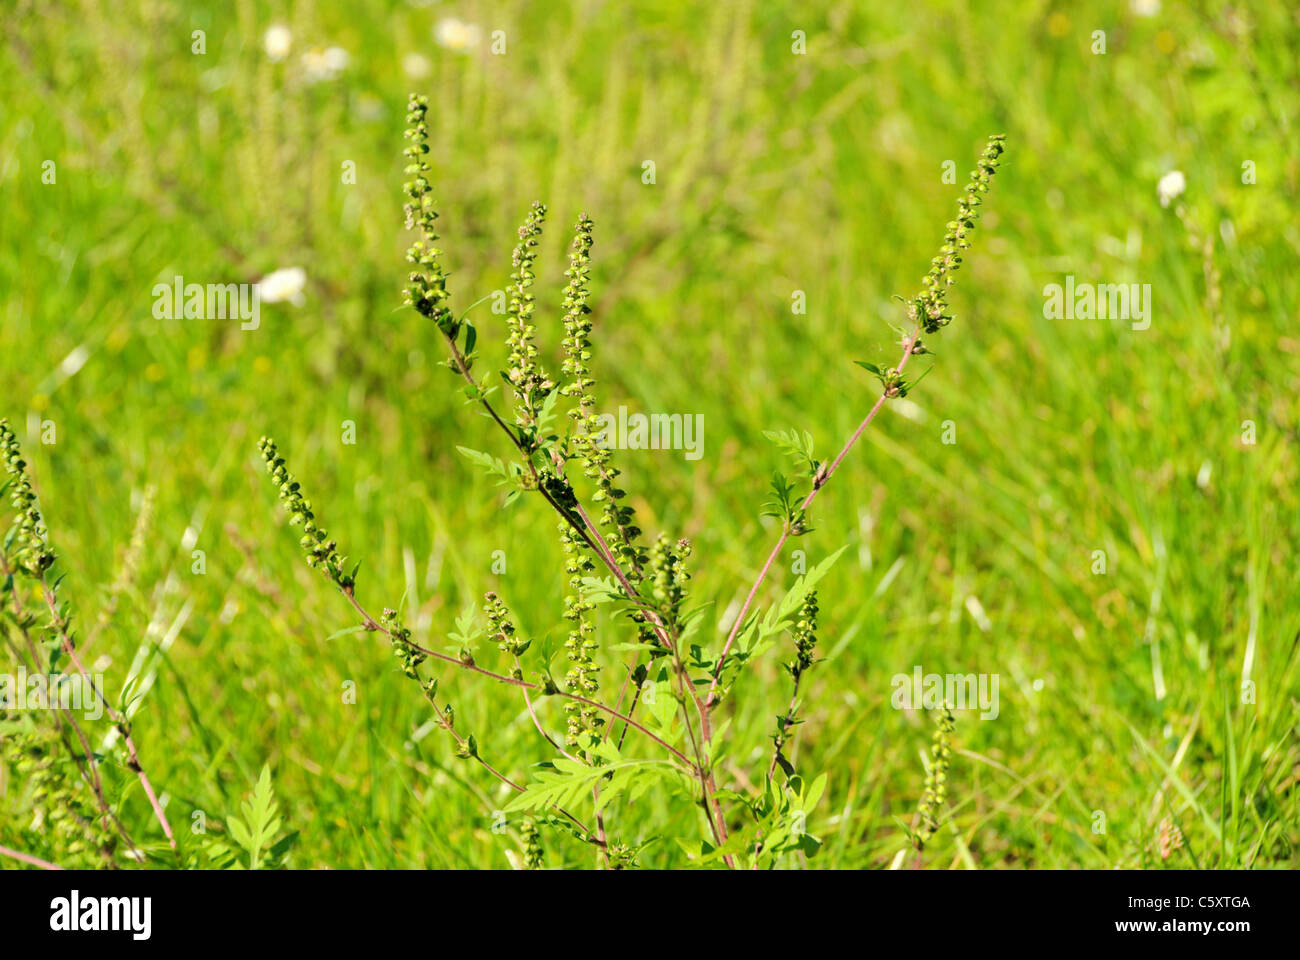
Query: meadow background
[[775, 172]]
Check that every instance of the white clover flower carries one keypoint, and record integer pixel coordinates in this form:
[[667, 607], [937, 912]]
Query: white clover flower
[[457, 35], [416, 66], [1171, 186], [318, 65], [1146, 8], [277, 42], [285, 284]]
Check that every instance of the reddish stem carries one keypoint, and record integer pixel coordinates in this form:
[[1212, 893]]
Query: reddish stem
[[133, 757], [820, 481], [29, 859]]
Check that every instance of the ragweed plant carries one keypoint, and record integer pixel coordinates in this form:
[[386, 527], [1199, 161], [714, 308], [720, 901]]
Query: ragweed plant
[[49, 748], [929, 812], [64, 804], [936, 778], [610, 754], [805, 642]]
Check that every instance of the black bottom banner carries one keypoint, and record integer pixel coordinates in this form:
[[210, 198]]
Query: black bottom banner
[[333, 909]]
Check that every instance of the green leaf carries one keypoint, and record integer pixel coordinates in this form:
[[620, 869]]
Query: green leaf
[[260, 823], [493, 466], [468, 631], [797, 445], [925, 373], [779, 615], [566, 783], [345, 632], [546, 415], [240, 833], [758, 633], [780, 504], [809, 796]]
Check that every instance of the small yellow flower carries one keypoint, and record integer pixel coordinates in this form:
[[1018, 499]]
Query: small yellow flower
[[154, 372], [117, 339]]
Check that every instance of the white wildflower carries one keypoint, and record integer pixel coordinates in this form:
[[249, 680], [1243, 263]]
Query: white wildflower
[[281, 285], [1171, 186], [277, 42]]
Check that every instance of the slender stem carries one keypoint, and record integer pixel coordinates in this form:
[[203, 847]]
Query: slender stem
[[89, 770], [822, 478], [636, 698], [704, 780], [630, 722], [464, 742], [819, 481], [28, 859], [504, 779], [744, 609], [133, 756], [600, 827], [37, 664], [592, 537], [712, 809], [538, 723], [587, 529], [786, 723], [595, 791], [371, 624]]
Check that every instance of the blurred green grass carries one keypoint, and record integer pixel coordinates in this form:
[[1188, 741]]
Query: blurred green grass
[[775, 172]]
